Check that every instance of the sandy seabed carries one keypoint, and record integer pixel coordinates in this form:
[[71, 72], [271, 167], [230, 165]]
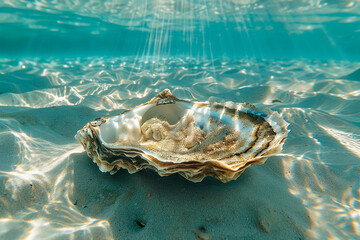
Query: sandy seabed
[[50, 188]]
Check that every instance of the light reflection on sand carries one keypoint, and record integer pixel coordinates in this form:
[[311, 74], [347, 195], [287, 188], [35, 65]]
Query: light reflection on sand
[[35, 197], [349, 140], [324, 175], [43, 195]]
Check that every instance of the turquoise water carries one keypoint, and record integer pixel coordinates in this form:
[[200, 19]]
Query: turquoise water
[[65, 63], [200, 29]]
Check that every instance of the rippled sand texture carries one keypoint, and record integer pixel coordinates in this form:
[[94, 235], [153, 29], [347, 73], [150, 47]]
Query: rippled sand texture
[[50, 189]]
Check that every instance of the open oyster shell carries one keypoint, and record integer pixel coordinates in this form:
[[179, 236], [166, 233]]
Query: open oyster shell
[[194, 139]]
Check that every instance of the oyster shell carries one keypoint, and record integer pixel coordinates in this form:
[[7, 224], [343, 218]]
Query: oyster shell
[[194, 139]]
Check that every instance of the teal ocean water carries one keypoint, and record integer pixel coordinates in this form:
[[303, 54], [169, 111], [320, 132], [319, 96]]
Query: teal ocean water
[[188, 28], [64, 63]]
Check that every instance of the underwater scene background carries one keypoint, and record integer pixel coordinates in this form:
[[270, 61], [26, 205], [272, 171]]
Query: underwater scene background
[[64, 63]]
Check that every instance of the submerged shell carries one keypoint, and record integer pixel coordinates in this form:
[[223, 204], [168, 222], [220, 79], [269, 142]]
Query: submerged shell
[[194, 139]]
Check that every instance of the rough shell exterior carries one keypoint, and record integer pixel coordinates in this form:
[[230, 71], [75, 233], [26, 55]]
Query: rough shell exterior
[[194, 139]]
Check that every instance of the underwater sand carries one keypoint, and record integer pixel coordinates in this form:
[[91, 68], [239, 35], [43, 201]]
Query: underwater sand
[[50, 188]]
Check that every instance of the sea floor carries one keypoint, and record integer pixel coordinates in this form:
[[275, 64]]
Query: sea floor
[[50, 188]]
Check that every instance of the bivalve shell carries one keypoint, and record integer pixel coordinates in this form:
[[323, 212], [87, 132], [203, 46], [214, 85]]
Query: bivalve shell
[[194, 139]]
